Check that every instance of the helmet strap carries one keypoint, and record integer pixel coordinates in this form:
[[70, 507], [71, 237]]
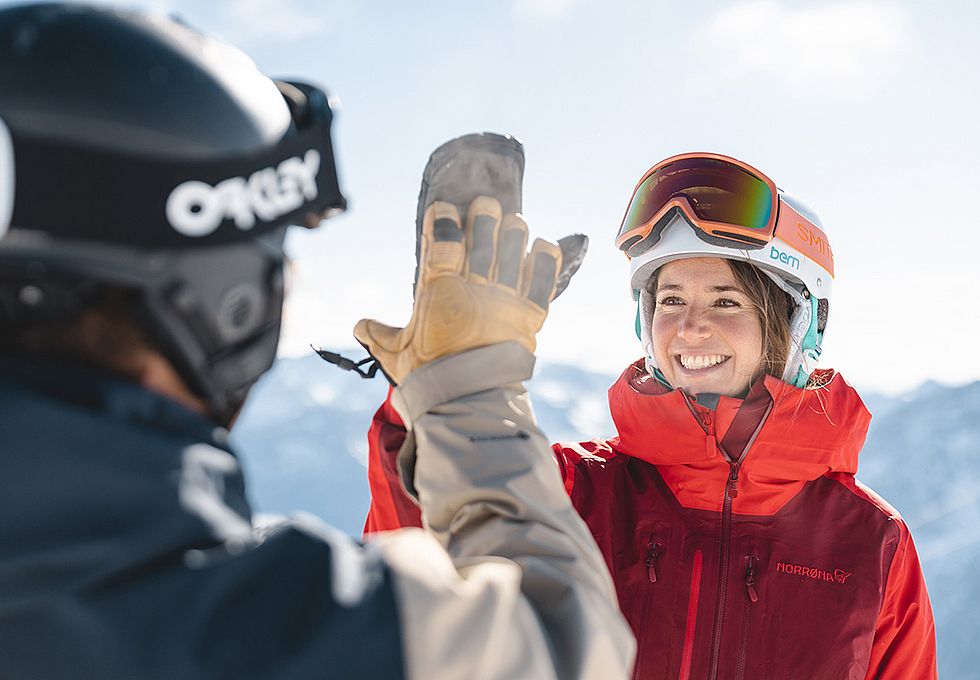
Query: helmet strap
[[807, 344], [661, 378], [810, 347], [638, 324]]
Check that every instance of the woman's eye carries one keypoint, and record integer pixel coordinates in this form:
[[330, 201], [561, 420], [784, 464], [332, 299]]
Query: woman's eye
[[668, 300], [726, 302]]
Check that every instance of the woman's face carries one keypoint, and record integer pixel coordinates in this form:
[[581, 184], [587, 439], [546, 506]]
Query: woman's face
[[707, 336]]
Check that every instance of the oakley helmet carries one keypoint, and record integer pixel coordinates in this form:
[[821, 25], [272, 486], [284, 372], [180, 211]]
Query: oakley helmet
[[709, 205], [136, 152]]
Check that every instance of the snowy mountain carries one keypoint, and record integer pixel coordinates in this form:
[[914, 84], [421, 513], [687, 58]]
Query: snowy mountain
[[922, 455], [302, 438], [302, 441]]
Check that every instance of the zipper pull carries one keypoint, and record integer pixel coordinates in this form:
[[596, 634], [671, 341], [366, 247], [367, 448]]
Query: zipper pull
[[750, 580], [652, 562], [733, 481]]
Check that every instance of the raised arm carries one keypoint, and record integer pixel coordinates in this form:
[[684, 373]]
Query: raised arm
[[520, 589], [507, 580]]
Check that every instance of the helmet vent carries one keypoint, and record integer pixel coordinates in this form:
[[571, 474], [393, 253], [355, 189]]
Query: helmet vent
[[240, 312], [31, 295]]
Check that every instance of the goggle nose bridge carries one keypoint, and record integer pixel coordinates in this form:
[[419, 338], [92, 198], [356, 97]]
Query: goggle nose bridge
[[657, 226]]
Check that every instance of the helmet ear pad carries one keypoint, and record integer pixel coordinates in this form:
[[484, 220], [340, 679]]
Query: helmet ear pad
[[217, 317], [214, 313]]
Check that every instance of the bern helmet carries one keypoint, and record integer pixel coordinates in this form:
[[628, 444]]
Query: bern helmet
[[137, 152], [708, 205]]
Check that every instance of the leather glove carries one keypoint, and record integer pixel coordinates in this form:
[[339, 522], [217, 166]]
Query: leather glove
[[476, 287]]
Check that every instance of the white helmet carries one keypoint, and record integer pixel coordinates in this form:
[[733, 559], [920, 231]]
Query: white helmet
[[708, 205]]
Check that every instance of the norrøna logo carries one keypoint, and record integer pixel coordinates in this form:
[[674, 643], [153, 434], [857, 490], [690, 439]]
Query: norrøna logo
[[197, 209], [785, 258], [838, 576]]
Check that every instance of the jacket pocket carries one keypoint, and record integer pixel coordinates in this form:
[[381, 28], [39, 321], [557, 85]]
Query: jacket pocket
[[649, 565], [654, 549], [751, 598]]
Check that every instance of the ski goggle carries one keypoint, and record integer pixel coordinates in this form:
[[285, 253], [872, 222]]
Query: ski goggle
[[220, 199], [6, 178], [728, 202]]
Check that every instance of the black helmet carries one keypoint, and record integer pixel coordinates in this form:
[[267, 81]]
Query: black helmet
[[137, 152]]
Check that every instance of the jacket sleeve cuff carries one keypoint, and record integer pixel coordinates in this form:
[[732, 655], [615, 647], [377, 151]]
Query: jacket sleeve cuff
[[449, 378], [459, 375]]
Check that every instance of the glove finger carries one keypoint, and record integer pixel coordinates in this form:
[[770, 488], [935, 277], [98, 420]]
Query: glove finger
[[443, 248], [573, 250], [482, 227], [510, 251], [378, 339], [541, 272]]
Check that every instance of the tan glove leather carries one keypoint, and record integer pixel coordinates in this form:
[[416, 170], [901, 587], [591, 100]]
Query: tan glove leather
[[477, 287]]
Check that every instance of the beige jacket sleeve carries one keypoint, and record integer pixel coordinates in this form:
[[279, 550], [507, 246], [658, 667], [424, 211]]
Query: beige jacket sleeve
[[507, 581]]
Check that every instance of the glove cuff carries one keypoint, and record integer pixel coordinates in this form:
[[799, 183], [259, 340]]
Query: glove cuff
[[458, 375]]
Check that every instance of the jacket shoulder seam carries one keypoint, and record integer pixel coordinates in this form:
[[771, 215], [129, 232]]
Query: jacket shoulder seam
[[866, 494]]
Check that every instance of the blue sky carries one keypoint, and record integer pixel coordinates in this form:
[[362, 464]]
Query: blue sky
[[865, 109]]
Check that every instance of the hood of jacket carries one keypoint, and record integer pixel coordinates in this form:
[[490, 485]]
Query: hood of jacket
[[797, 435]]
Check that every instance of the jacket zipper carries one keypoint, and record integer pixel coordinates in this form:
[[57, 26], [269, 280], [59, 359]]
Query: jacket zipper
[[750, 579], [687, 653], [731, 491], [651, 561], [654, 550], [751, 598]]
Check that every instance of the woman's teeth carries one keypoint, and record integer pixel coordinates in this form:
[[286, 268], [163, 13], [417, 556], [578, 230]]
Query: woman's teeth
[[692, 362]]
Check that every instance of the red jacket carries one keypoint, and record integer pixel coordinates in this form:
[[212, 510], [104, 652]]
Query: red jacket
[[740, 542]]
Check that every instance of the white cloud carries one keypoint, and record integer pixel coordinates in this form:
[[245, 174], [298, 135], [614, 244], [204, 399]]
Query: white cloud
[[160, 6], [541, 9], [250, 21], [247, 22], [830, 42]]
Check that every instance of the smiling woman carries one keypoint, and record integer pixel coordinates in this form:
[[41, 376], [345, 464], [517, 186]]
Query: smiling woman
[[740, 543], [707, 334], [719, 325]]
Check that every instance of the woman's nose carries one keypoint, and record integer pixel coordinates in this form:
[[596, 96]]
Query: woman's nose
[[693, 325]]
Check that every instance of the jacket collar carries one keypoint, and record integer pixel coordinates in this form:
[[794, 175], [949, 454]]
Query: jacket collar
[[804, 434], [97, 390]]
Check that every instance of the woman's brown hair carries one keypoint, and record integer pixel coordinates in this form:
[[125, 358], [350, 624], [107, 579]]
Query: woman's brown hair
[[103, 333]]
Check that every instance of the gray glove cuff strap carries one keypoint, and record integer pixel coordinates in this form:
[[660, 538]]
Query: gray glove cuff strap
[[458, 375]]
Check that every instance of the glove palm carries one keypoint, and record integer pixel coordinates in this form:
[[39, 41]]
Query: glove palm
[[476, 287]]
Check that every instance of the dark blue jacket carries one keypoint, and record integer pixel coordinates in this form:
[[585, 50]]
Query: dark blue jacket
[[126, 549]]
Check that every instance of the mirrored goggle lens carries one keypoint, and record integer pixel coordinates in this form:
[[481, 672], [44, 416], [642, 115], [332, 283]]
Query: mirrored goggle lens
[[6, 178], [717, 191]]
